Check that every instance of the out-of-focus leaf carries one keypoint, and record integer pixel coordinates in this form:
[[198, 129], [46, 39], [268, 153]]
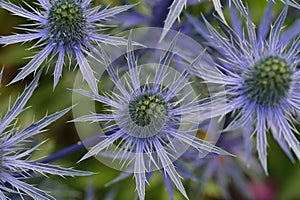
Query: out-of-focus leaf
[[14, 55], [290, 190]]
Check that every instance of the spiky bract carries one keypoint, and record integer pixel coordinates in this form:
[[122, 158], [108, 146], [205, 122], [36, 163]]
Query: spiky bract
[[15, 152]]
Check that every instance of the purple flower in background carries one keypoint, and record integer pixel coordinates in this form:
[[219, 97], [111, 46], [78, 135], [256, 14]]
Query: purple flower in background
[[15, 154], [176, 9], [151, 121], [226, 171], [178, 5], [64, 27], [260, 79]]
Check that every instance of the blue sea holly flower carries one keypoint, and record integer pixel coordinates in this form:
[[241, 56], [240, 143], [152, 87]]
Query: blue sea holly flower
[[154, 122], [63, 27], [260, 77], [15, 163]]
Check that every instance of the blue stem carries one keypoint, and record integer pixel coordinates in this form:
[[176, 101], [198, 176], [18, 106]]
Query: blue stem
[[77, 147]]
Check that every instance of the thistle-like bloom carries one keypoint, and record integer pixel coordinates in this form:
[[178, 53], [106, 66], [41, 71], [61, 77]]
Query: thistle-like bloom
[[261, 82], [15, 166], [153, 124], [63, 27]]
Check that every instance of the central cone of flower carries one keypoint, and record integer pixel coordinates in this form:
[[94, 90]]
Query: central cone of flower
[[268, 81], [147, 108], [66, 22]]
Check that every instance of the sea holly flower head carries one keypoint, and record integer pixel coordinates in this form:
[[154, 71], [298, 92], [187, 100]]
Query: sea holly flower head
[[268, 80], [15, 163], [64, 27], [67, 23], [259, 73], [151, 123]]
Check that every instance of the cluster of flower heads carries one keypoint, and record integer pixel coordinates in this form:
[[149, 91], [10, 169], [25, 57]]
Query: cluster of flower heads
[[151, 124]]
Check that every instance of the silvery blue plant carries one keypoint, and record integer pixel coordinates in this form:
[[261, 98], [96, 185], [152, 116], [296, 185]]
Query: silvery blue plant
[[15, 163], [260, 77], [146, 121], [154, 123], [63, 27]]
